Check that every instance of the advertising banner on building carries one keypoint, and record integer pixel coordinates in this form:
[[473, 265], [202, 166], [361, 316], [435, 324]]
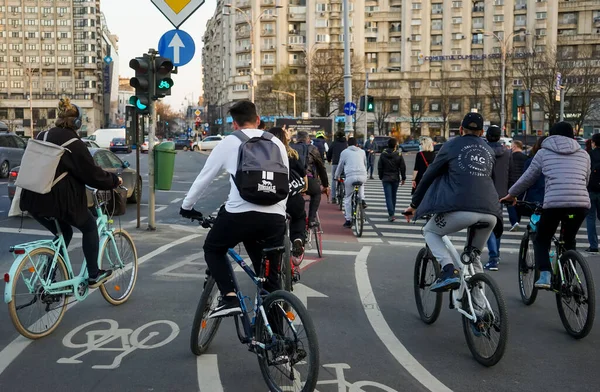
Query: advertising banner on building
[[310, 125]]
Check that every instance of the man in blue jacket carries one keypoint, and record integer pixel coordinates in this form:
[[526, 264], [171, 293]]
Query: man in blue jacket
[[458, 190]]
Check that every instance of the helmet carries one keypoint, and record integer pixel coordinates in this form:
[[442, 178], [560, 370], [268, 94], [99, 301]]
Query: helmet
[[320, 134]]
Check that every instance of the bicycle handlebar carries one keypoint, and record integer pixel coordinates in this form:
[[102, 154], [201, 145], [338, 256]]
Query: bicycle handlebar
[[531, 204], [205, 221]]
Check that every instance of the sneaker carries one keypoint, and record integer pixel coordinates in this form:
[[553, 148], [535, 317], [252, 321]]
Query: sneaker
[[100, 279], [364, 204], [592, 250], [348, 224], [228, 306], [515, 227], [297, 248], [544, 281], [449, 280], [392, 219], [491, 265]]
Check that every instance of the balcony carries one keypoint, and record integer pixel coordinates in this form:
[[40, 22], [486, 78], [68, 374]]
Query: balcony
[[578, 39], [582, 5], [398, 3], [242, 63], [567, 22], [382, 46], [520, 8], [267, 32], [478, 8], [243, 4], [476, 41], [268, 62], [267, 48], [267, 3], [395, 60], [242, 49]]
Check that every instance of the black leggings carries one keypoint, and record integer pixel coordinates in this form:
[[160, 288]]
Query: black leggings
[[295, 208], [570, 220], [89, 242], [314, 191]]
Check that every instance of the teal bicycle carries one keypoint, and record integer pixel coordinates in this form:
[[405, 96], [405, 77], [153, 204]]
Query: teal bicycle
[[41, 279]]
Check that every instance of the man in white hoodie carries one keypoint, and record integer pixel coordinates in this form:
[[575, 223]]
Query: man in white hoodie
[[353, 163]]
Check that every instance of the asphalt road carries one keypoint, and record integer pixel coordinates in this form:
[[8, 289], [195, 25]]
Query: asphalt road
[[360, 296]]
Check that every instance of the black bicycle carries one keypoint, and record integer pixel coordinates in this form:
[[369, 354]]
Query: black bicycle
[[340, 192], [572, 280], [278, 328], [358, 212]]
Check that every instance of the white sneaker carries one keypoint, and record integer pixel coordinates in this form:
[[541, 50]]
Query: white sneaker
[[515, 227]]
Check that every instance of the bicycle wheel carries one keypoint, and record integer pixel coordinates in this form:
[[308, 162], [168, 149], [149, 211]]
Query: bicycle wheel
[[429, 303], [203, 328], [340, 195], [318, 234], [34, 312], [528, 273], [487, 337], [292, 362], [359, 219], [118, 289], [576, 297], [285, 276]]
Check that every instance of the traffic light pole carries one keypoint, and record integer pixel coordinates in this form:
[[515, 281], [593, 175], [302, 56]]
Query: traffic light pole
[[151, 137], [366, 104], [348, 126]]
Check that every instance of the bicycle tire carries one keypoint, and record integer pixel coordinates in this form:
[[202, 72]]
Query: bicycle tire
[[527, 270], [210, 326], [469, 328], [286, 265], [310, 361], [359, 220], [340, 195], [421, 284], [119, 277], [50, 325], [591, 294], [318, 239]]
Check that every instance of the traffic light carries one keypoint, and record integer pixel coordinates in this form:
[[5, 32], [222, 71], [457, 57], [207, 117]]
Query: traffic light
[[370, 103], [163, 68], [361, 103], [142, 82]]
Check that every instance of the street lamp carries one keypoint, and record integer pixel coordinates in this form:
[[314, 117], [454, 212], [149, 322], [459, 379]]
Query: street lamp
[[251, 23], [503, 47], [290, 94]]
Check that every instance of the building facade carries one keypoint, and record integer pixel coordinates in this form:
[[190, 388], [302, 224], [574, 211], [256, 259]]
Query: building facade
[[49, 50], [428, 62]]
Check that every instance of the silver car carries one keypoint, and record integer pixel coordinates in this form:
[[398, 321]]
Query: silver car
[[12, 148]]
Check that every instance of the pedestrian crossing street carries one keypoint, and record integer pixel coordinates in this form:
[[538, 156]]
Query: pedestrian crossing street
[[377, 229]]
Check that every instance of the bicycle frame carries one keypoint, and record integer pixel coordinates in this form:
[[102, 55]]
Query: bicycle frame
[[75, 284]]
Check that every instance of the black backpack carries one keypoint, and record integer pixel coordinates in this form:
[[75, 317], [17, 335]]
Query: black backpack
[[261, 176]]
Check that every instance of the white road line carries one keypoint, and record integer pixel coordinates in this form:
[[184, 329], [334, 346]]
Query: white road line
[[184, 192], [375, 240], [43, 233], [159, 209], [176, 200], [333, 252], [208, 373], [18, 345], [383, 330]]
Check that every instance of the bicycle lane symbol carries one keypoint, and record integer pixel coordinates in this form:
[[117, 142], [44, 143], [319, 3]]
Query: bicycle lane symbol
[[129, 339]]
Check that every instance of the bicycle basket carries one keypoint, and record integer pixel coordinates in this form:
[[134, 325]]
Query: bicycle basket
[[113, 202]]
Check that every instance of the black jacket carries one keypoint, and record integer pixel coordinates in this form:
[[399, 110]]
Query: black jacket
[[67, 200], [391, 166], [594, 184], [315, 167], [336, 148], [517, 163], [459, 179], [501, 168]]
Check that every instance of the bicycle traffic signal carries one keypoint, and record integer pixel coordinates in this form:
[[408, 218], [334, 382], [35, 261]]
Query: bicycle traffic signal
[[163, 68], [366, 103], [143, 82], [370, 103]]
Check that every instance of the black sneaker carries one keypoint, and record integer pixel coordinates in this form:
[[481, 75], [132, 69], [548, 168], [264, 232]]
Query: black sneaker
[[348, 224], [100, 279], [297, 248], [364, 204], [592, 250], [449, 280], [228, 306]]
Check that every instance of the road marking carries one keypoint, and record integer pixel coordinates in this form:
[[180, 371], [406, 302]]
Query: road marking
[[208, 373], [160, 209], [19, 344], [304, 292], [333, 252], [375, 240], [184, 192], [383, 330], [176, 200], [45, 233]]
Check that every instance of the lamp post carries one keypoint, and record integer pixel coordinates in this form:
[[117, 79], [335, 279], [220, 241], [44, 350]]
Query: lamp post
[[29, 72], [293, 95], [251, 23], [503, 47]]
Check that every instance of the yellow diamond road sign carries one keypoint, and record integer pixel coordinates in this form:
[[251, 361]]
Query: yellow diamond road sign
[[177, 11]]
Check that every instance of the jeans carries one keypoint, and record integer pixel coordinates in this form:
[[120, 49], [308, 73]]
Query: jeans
[[390, 189], [333, 182], [349, 188], [452, 222], [256, 231], [370, 164], [591, 219], [570, 220], [493, 244], [90, 241], [513, 215]]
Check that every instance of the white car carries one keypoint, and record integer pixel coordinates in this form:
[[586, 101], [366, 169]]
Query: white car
[[208, 143], [144, 147]]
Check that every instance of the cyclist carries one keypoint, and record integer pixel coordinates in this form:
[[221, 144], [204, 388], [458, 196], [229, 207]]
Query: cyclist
[[566, 167], [257, 226], [333, 157], [67, 201], [321, 144], [353, 162], [371, 148], [458, 190], [315, 171]]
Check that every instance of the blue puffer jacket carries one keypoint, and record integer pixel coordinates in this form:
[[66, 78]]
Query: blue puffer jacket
[[459, 179]]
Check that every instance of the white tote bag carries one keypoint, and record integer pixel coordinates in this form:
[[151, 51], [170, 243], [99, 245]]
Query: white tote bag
[[15, 209]]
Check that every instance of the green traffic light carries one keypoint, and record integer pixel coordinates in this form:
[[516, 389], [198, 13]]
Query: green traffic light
[[165, 84], [137, 103]]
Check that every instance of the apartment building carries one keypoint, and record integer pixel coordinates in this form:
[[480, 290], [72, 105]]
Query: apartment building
[[420, 55], [50, 49]]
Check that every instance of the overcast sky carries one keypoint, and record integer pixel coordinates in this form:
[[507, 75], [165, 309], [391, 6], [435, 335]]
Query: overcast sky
[[139, 25]]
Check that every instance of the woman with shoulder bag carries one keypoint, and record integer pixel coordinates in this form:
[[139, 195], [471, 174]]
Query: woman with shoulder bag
[[67, 200], [423, 159]]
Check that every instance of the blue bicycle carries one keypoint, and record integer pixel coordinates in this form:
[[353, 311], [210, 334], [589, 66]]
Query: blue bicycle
[[278, 328]]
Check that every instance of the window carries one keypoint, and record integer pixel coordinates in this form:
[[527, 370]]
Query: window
[[456, 52], [437, 8], [16, 72], [456, 67], [31, 22], [64, 47], [415, 53], [47, 22], [323, 7], [31, 10], [19, 113], [477, 39], [540, 32], [416, 6], [499, 34], [415, 37], [498, 18], [371, 57], [540, 15], [436, 24], [415, 22], [517, 82], [540, 48], [436, 40], [455, 106], [456, 36], [498, 2], [415, 85], [64, 22], [64, 35], [46, 10], [416, 104], [457, 20], [32, 34], [395, 57], [455, 84], [16, 84], [520, 20], [456, 4], [322, 23], [62, 10], [323, 38], [477, 23], [435, 106], [434, 83], [569, 18]]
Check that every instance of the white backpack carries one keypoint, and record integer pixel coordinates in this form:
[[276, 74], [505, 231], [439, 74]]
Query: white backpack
[[39, 163]]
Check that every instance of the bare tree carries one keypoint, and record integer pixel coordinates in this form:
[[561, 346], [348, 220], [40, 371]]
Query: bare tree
[[527, 69], [383, 108], [492, 82], [269, 102], [444, 87], [585, 89], [415, 108]]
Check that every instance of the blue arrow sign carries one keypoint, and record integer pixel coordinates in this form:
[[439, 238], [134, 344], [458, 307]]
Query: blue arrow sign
[[349, 108], [178, 46]]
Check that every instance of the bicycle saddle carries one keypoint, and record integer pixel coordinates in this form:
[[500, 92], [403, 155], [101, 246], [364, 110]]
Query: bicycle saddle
[[358, 183]]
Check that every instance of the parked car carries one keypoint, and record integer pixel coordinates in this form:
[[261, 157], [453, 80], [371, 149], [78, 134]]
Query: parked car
[[107, 161], [120, 144], [90, 143], [411, 145], [144, 147], [208, 143], [12, 148], [183, 144], [381, 142], [103, 137]]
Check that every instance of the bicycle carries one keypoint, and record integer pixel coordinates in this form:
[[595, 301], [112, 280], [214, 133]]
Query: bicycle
[[45, 269], [290, 271], [340, 192], [263, 325], [481, 323], [358, 213], [571, 293], [314, 231]]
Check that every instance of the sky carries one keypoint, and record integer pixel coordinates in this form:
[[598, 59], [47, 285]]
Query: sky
[[139, 26]]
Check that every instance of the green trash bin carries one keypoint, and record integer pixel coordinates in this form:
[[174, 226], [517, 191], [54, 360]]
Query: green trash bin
[[164, 165]]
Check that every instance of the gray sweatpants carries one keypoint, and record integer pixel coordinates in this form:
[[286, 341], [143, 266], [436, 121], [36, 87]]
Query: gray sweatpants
[[452, 222]]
